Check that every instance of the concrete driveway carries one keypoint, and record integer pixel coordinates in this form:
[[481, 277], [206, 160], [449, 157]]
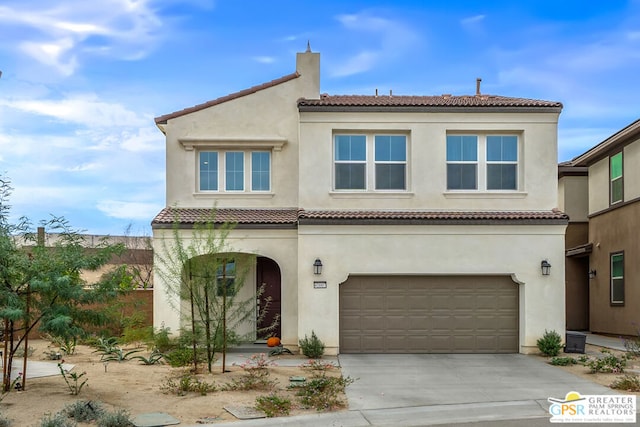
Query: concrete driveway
[[406, 389]]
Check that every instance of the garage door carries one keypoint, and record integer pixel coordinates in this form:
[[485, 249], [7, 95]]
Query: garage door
[[429, 314]]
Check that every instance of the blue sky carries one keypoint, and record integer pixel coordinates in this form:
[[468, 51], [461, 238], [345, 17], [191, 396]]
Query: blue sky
[[82, 80]]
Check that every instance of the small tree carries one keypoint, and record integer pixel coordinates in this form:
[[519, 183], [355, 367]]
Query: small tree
[[207, 274], [42, 286]]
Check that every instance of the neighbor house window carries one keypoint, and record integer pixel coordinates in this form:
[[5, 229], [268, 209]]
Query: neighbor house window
[[374, 162], [615, 171], [225, 171], [617, 278], [482, 162]]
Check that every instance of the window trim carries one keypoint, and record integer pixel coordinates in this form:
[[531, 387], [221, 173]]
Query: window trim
[[621, 178], [612, 278], [370, 162], [482, 163]]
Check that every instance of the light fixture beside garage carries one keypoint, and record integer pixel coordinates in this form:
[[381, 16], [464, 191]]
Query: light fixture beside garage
[[545, 267], [317, 266]]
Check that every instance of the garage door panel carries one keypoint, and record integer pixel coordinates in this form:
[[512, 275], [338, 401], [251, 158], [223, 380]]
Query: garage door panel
[[429, 314]]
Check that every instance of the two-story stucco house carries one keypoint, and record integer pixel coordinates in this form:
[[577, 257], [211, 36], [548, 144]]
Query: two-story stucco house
[[383, 223], [605, 289]]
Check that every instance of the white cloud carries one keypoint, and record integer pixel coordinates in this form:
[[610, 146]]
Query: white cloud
[[472, 20], [84, 109], [264, 59], [390, 39], [129, 210], [61, 35]]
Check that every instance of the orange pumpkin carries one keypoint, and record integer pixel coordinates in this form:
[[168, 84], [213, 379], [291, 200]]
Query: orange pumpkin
[[273, 342]]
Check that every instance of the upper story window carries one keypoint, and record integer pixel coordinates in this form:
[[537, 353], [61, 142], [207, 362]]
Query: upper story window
[[370, 162], [482, 162], [226, 171], [617, 278], [616, 178]]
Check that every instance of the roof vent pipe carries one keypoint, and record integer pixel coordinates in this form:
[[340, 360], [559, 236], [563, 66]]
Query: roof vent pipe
[[390, 93], [376, 91], [478, 81]]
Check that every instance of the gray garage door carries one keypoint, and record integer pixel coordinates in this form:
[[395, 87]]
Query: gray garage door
[[429, 314]]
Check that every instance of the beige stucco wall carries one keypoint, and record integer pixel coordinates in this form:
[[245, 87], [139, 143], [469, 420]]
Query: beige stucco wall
[[573, 197], [427, 160], [279, 245], [631, 157], [599, 186], [250, 122], [433, 250]]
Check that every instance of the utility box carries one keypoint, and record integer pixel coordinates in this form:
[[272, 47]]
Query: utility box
[[575, 342]]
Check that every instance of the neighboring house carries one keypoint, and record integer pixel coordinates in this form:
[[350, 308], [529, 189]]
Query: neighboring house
[[612, 246], [417, 224], [573, 199]]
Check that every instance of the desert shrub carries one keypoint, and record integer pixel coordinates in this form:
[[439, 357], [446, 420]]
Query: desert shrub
[[563, 361], [162, 340], [607, 363], [312, 347], [132, 334], [256, 374], [187, 383], [323, 393], [84, 411], [317, 365], [4, 421], [632, 345], [56, 420], [119, 418], [273, 405], [183, 356], [629, 382], [20, 352], [550, 344]]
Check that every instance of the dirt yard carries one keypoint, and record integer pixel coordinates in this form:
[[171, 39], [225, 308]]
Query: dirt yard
[[605, 379], [138, 389]]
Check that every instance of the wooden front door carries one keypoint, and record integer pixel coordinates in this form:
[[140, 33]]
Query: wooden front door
[[268, 275]]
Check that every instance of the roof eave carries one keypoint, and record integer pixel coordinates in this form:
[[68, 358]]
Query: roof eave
[[606, 147]]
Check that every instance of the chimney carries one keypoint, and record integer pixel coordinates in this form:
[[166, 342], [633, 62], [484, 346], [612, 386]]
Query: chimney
[[308, 66], [478, 81]]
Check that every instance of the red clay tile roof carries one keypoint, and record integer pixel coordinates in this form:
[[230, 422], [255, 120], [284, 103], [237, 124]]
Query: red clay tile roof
[[435, 215], [441, 101], [292, 216], [241, 216], [163, 119]]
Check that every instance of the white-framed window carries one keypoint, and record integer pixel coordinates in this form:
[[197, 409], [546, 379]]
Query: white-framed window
[[483, 162], [226, 171], [370, 162], [617, 278]]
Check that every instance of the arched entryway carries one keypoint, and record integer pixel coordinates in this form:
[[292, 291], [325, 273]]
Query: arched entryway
[[268, 276]]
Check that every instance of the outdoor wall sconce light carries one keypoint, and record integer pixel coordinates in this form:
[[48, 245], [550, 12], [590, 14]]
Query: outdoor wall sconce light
[[545, 267], [592, 274], [317, 266]]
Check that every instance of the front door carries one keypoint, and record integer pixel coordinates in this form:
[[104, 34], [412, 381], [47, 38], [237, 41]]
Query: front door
[[268, 276]]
